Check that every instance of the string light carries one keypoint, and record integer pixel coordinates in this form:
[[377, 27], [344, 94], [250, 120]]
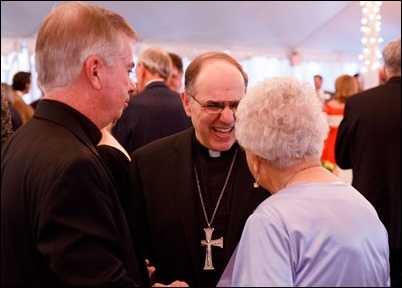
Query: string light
[[371, 27]]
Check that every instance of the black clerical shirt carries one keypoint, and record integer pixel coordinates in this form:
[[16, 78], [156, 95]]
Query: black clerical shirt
[[212, 172]]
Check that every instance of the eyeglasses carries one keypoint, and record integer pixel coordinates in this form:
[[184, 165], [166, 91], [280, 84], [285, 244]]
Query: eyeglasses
[[215, 108]]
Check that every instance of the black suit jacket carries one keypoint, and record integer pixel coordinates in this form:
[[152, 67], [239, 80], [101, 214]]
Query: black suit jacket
[[61, 220], [152, 114], [369, 142], [165, 202]]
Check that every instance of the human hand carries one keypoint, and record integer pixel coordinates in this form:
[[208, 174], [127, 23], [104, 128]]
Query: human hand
[[151, 269], [173, 284]]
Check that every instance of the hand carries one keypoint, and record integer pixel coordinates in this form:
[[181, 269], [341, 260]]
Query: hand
[[173, 284], [151, 269]]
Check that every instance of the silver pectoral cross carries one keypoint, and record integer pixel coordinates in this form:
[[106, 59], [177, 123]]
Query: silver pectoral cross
[[209, 243]]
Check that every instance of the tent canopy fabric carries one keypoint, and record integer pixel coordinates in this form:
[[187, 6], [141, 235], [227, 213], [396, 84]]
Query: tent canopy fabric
[[313, 29]]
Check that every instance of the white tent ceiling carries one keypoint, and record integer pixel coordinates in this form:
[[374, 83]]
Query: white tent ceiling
[[246, 28]]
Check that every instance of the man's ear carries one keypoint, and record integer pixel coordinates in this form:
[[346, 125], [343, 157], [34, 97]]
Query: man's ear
[[185, 99], [92, 68]]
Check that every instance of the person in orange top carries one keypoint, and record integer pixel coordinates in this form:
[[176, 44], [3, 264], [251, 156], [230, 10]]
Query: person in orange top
[[345, 86]]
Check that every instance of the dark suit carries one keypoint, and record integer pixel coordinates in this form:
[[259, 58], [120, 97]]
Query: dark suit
[[369, 142], [61, 220], [165, 197], [154, 113]]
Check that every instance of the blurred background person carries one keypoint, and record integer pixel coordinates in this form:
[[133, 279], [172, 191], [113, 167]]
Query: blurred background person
[[321, 93], [359, 81], [16, 120], [345, 87], [6, 125], [314, 230], [117, 161], [175, 81], [155, 111], [21, 85], [369, 142]]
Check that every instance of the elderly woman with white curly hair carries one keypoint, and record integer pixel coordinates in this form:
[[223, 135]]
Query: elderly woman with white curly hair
[[314, 230]]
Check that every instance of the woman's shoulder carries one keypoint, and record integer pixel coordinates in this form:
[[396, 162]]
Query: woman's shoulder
[[334, 107]]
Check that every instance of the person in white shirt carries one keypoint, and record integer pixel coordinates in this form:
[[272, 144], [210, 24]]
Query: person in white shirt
[[321, 93]]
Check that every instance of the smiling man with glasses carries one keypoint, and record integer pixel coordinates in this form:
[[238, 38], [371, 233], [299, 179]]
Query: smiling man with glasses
[[193, 191]]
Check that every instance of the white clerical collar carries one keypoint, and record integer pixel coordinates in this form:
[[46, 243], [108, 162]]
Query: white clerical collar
[[214, 154]]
